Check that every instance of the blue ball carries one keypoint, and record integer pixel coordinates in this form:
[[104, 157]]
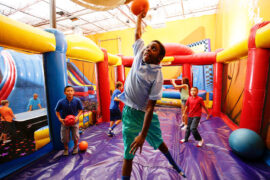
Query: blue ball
[[246, 143]]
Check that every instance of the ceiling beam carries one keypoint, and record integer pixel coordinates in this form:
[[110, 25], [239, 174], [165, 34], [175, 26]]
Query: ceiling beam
[[92, 24], [99, 26], [182, 6], [166, 13], [23, 8], [126, 24], [130, 18], [78, 16], [28, 14], [22, 11], [74, 14], [197, 11], [163, 5]]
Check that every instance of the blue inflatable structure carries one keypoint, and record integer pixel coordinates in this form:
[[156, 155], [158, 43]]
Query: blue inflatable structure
[[29, 79]]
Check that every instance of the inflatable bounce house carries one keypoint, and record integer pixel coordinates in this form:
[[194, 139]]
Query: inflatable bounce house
[[233, 82], [22, 76]]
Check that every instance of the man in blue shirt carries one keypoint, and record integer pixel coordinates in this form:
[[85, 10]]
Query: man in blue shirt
[[69, 106], [142, 88], [34, 103], [115, 113]]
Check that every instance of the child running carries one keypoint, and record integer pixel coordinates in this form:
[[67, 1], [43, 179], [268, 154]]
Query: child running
[[194, 105], [142, 88], [184, 90], [115, 113]]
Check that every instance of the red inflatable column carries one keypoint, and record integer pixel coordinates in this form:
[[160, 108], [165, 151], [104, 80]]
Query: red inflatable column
[[255, 84], [104, 87], [218, 68], [187, 73], [255, 89], [121, 73], [121, 77]]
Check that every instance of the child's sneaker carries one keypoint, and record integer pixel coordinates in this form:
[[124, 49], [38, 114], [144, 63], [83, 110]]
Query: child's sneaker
[[180, 173], [75, 151], [110, 133], [183, 174], [182, 124], [184, 127], [65, 152], [200, 143], [6, 141], [182, 141]]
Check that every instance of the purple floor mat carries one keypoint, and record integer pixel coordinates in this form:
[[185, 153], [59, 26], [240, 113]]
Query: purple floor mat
[[103, 158]]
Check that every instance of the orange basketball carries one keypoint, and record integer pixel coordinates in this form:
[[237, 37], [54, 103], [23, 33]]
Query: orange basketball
[[83, 145], [139, 6]]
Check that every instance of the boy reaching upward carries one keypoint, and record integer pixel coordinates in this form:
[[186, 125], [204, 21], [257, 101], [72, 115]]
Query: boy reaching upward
[[142, 88]]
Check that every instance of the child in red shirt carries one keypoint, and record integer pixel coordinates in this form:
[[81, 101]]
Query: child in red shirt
[[194, 105], [7, 117]]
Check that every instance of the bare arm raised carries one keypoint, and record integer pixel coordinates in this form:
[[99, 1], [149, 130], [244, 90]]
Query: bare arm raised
[[178, 86], [138, 30]]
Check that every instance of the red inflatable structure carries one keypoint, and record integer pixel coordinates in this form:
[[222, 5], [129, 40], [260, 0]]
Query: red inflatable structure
[[255, 84]]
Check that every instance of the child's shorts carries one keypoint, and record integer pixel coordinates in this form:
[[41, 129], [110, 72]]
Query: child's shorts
[[115, 114], [65, 133], [132, 126], [183, 102], [7, 127]]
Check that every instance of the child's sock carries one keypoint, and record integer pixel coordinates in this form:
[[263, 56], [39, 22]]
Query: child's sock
[[125, 177], [172, 162], [113, 126]]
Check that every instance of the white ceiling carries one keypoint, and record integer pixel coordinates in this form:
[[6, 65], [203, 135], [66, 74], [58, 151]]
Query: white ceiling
[[37, 14]]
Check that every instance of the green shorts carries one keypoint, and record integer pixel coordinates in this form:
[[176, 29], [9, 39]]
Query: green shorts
[[132, 125]]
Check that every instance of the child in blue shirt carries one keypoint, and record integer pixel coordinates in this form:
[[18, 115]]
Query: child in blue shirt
[[69, 105], [142, 88], [115, 113]]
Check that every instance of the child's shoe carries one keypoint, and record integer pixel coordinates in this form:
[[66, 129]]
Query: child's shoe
[[200, 143], [110, 133], [75, 151], [65, 152], [183, 141], [6, 141], [183, 174], [182, 124], [184, 127]]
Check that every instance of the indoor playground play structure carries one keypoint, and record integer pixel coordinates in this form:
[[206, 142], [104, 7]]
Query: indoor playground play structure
[[22, 76], [225, 154]]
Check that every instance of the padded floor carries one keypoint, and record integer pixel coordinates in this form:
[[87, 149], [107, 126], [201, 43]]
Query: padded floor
[[103, 158]]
